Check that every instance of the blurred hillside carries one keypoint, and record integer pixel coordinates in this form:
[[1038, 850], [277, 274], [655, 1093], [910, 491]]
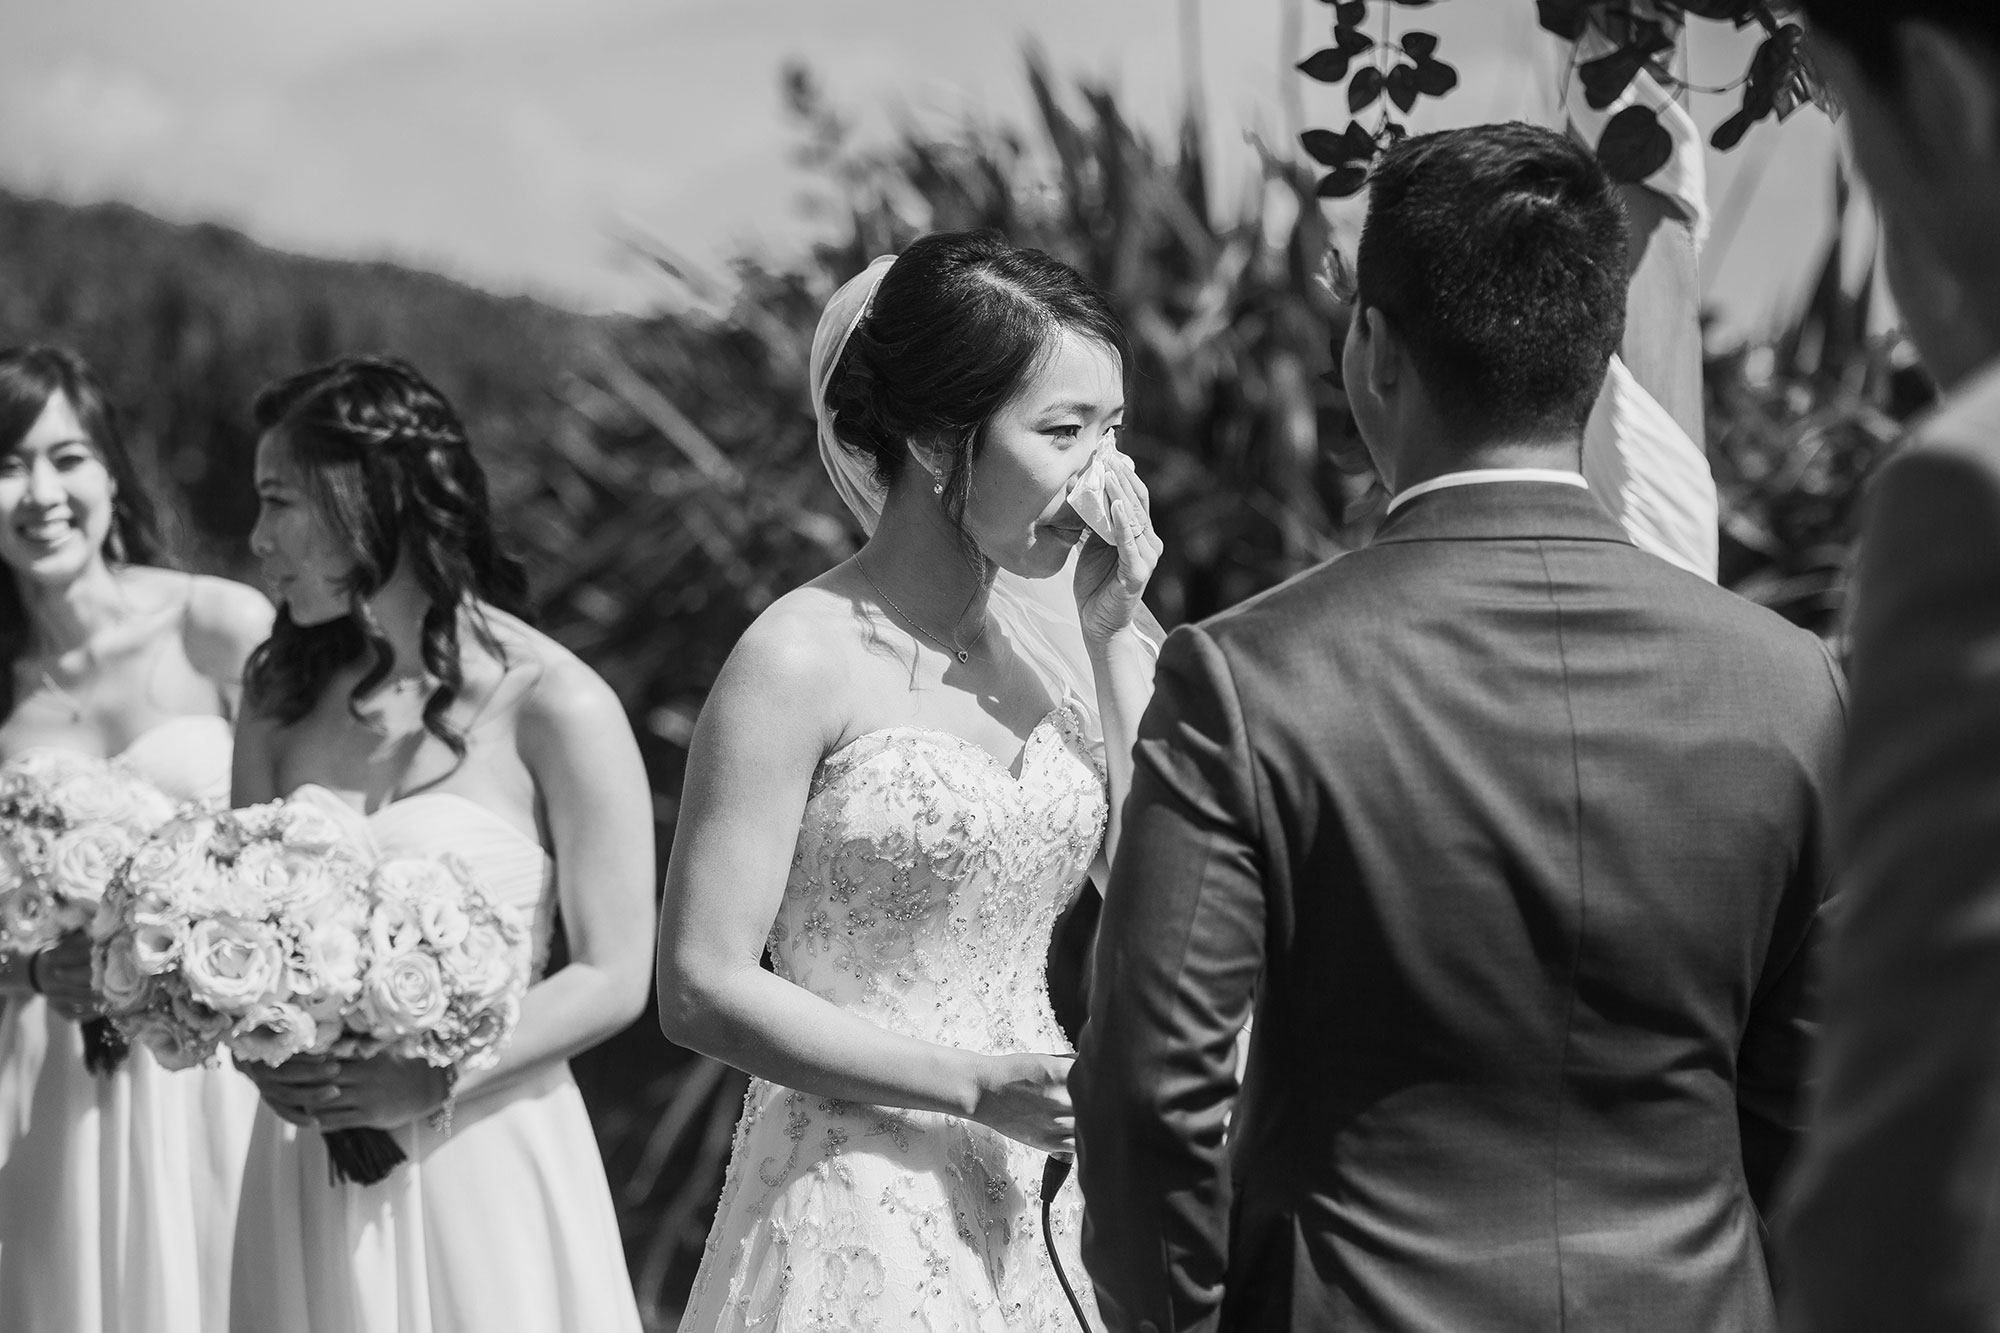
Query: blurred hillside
[[187, 323]]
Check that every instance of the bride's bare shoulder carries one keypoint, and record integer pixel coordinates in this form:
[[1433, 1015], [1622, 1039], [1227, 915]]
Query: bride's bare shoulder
[[797, 666], [806, 635]]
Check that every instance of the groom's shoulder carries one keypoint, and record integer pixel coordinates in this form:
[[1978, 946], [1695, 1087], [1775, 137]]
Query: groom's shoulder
[[1296, 605]]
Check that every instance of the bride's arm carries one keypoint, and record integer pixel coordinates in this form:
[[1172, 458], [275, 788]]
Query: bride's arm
[[1120, 659], [577, 743], [768, 721]]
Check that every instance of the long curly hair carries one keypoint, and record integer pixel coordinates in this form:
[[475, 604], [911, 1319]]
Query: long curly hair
[[386, 465], [29, 377]]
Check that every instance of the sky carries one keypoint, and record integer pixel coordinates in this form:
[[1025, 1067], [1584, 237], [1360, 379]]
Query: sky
[[518, 144]]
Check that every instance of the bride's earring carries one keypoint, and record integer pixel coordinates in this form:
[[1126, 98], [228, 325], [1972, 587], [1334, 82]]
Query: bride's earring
[[937, 486]]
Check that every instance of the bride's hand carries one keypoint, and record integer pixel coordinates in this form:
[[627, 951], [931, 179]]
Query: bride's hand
[[1110, 576], [62, 971], [1026, 1097]]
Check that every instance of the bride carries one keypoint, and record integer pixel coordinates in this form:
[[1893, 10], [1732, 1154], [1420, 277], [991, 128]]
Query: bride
[[903, 774], [400, 692]]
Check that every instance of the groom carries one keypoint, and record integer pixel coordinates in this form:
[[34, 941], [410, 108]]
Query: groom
[[1512, 833]]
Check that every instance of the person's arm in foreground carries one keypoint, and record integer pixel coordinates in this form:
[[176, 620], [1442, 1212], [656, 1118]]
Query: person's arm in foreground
[[1892, 1222]]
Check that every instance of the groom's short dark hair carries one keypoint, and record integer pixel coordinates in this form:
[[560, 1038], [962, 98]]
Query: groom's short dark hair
[[1867, 28], [1499, 255]]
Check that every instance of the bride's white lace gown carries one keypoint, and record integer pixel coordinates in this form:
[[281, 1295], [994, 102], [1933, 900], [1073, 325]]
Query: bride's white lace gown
[[925, 885]]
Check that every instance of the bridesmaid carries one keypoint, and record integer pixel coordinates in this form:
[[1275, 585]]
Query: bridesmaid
[[117, 1193], [402, 689]]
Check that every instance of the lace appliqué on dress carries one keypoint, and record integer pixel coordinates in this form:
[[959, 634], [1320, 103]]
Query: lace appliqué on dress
[[925, 885]]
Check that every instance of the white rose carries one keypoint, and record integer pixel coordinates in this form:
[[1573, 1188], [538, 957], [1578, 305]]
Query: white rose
[[28, 920], [167, 862], [231, 965], [404, 994], [118, 977], [273, 1034], [83, 860]]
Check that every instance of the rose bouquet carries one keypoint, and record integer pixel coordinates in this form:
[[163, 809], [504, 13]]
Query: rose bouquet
[[67, 822], [269, 931]]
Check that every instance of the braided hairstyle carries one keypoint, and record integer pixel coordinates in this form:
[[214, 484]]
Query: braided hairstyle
[[386, 465], [29, 377]]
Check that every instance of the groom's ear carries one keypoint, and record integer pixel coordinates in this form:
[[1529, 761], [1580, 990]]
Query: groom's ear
[[1384, 358]]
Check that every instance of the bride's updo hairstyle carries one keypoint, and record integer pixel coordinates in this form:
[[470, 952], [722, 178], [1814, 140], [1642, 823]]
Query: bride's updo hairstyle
[[29, 377], [385, 464], [958, 324]]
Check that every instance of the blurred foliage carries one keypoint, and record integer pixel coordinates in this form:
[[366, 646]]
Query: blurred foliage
[[661, 477], [1795, 428]]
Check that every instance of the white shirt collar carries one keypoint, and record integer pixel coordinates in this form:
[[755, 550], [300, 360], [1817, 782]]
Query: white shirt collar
[[1484, 476]]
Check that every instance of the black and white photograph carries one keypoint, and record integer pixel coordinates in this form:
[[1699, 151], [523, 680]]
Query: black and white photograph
[[1059, 666]]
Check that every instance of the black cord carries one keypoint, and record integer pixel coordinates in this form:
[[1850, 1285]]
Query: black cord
[[1053, 1176]]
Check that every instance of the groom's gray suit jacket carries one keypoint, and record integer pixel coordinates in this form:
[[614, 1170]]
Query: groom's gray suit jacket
[[1515, 833]]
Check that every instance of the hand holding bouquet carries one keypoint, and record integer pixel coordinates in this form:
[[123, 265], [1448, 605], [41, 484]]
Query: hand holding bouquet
[[274, 932], [67, 823]]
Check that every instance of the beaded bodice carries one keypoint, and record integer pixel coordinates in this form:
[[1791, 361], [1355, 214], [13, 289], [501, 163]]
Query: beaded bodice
[[927, 879]]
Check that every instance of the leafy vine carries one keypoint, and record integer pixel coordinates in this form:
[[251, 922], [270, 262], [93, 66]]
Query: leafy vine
[[1392, 73]]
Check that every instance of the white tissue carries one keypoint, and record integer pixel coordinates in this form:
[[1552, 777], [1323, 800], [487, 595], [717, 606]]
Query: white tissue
[[1087, 496]]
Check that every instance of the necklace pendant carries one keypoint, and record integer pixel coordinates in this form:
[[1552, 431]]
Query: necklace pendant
[[963, 655]]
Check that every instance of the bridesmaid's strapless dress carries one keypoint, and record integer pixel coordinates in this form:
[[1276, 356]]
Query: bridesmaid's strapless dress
[[118, 1195], [506, 1225]]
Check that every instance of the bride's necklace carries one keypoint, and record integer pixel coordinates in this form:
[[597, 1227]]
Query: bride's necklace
[[962, 651]]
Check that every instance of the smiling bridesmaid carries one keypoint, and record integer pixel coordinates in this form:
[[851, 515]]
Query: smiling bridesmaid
[[117, 1192]]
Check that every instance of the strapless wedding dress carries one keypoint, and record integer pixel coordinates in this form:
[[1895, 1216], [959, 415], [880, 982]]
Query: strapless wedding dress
[[925, 885], [118, 1195], [506, 1225]]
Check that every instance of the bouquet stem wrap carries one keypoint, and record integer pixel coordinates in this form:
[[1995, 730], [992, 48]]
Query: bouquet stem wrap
[[104, 1046], [363, 1156]]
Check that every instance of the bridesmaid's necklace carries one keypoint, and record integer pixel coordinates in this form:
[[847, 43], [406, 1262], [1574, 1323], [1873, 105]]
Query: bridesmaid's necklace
[[963, 652], [63, 697]]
